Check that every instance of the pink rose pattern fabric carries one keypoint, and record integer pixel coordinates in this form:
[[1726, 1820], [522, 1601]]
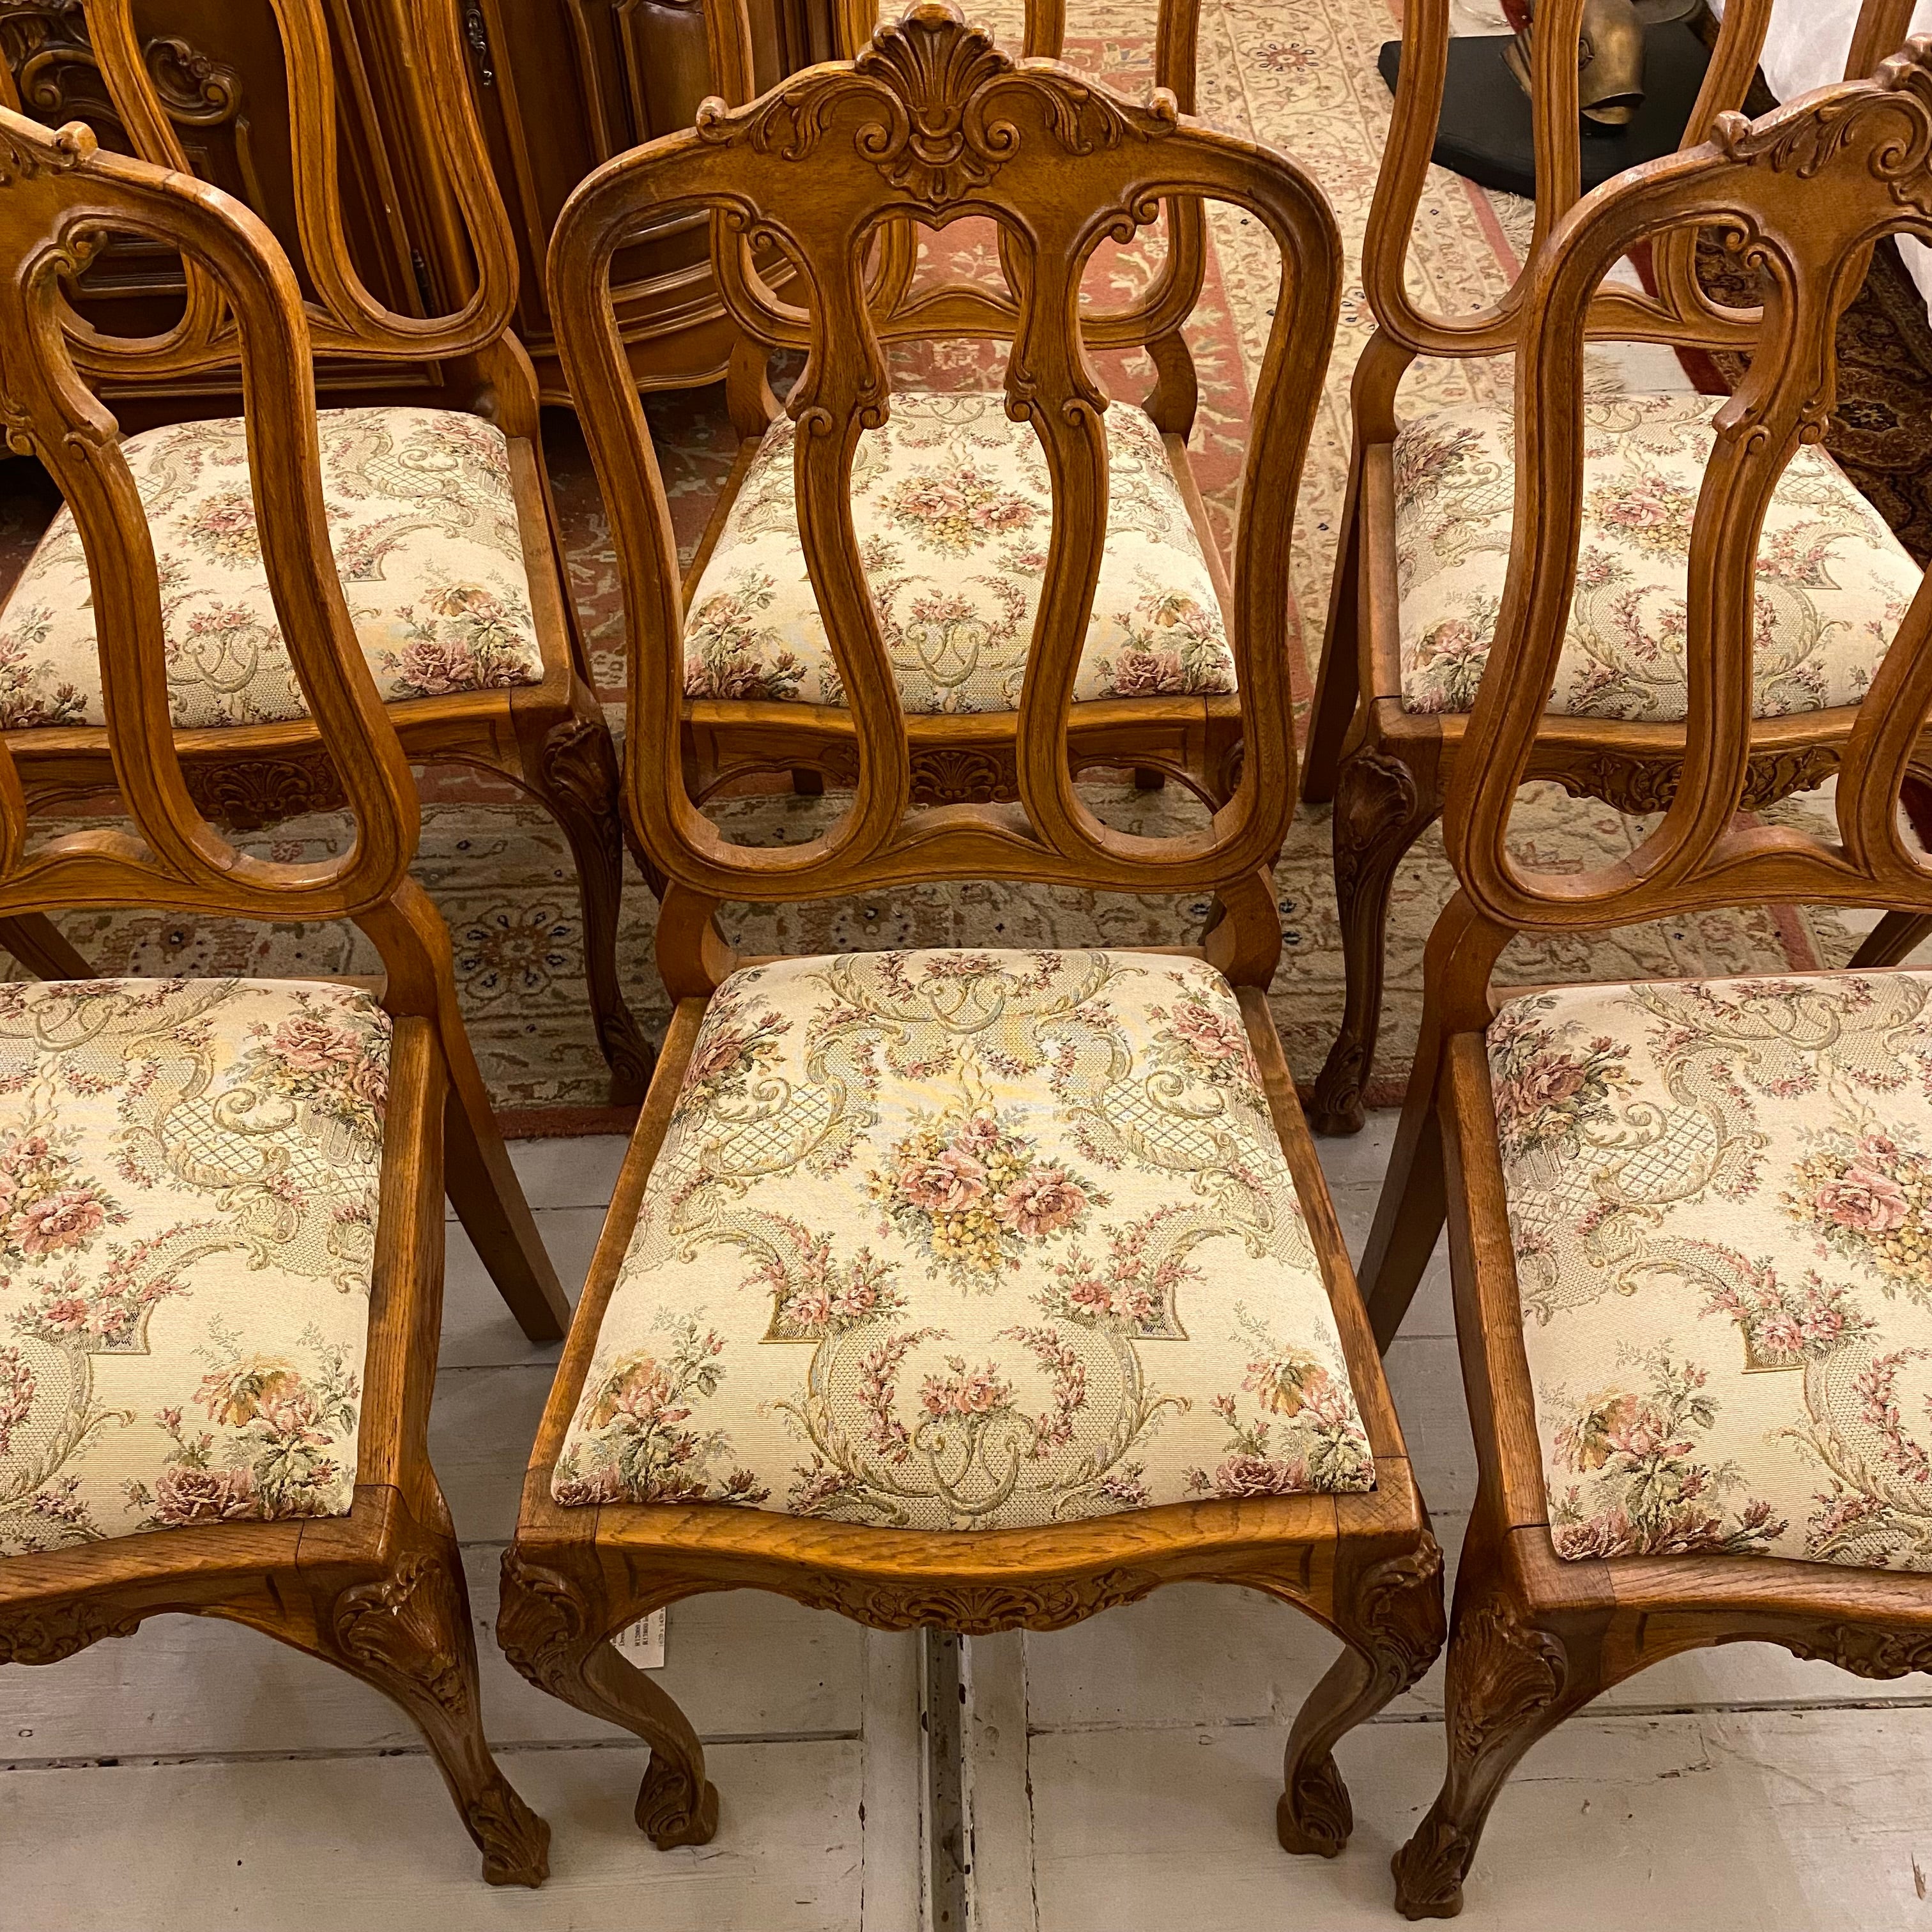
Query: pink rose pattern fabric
[[189, 1178], [423, 523], [1833, 582], [1721, 1198], [968, 1241], [953, 511]]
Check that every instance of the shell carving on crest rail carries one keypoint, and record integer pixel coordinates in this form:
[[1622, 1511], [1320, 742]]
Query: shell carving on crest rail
[[936, 81]]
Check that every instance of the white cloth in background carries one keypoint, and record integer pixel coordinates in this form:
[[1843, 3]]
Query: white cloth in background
[[1805, 47]]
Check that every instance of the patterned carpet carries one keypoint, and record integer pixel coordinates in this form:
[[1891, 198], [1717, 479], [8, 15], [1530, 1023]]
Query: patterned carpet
[[1303, 79]]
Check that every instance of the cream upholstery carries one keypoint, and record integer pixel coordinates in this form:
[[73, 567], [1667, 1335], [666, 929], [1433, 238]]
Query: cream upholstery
[[964, 1240], [423, 526], [1833, 582], [952, 510], [189, 1175], [1720, 1196]]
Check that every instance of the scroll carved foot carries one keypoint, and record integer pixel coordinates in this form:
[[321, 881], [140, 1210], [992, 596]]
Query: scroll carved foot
[[579, 786], [551, 1627], [1391, 1619], [1430, 1869], [1314, 1814], [666, 1814], [408, 1633], [1379, 814]]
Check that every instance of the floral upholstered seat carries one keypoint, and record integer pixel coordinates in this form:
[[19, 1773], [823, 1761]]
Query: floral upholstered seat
[[1833, 581], [953, 509], [189, 1175], [423, 526], [960, 1240], [1721, 1198]]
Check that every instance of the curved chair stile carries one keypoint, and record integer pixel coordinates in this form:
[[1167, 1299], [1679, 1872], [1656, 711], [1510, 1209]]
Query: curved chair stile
[[606, 1533], [274, 1151], [1683, 1291]]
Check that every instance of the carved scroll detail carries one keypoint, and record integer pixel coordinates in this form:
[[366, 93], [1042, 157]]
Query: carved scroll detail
[[976, 1609], [46, 1634], [400, 1625], [1509, 1671], [933, 80]]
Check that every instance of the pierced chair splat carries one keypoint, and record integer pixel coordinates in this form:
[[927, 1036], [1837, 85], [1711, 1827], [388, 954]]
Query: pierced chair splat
[[1691, 1223], [986, 1289], [221, 1265]]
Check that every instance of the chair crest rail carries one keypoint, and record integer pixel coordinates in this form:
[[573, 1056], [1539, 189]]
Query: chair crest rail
[[1803, 193], [934, 122]]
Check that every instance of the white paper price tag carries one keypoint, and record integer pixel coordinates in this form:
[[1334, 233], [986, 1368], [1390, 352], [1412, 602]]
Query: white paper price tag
[[642, 1643]]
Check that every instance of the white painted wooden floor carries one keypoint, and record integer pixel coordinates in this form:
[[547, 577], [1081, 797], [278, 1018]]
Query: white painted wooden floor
[[1117, 1777]]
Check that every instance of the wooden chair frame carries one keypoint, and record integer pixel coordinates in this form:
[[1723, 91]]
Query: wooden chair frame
[[550, 739], [379, 1592], [934, 122], [1194, 741], [1807, 191], [1388, 769]]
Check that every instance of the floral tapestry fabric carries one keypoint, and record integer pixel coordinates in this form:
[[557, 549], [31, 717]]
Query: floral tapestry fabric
[[1833, 582], [1721, 1200], [189, 1178], [952, 510], [968, 1241], [423, 524]]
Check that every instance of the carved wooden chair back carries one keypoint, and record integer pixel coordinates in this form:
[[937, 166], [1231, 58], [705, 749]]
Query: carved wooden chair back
[[61, 197], [1545, 1619], [377, 1590], [344, 319], [933, 123], [541, 726], [1803, 194], [1382, 747], [907, 307]]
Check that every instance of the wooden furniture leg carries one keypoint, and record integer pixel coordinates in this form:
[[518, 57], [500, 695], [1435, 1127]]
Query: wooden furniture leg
[[1389, 1615], [544, 1626], [35, 940], [573, 774], [411, 1636], [1338, 688], [1379, 814], [1894, 940]]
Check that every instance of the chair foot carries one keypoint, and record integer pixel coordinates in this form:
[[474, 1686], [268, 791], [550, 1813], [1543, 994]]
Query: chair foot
[[1315, 1815], [515, 1840], [1429, 1870], [665, 1814]]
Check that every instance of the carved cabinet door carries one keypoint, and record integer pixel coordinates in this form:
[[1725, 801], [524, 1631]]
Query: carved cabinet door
[[217, 66], [562, 85]]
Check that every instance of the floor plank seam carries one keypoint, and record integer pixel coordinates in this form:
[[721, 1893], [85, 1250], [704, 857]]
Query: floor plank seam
[[529, 1747]]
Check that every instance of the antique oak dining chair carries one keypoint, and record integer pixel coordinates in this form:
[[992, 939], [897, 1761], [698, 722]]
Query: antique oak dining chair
[[1690, 1223], [221, 1258], [1425, 541], [1037, 1239], [439, 511], [952, 514]]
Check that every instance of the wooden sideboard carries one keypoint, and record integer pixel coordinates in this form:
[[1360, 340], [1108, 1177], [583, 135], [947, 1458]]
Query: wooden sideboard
[[562, 85]]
